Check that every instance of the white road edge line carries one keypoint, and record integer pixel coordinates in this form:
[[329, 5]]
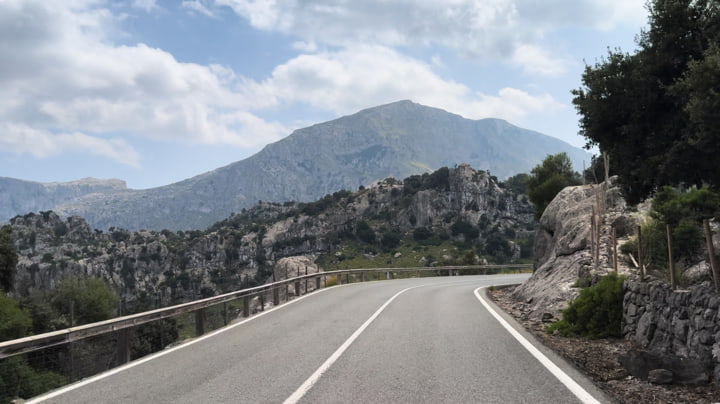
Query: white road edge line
[[307, 385], [563, 377], [132, 364]]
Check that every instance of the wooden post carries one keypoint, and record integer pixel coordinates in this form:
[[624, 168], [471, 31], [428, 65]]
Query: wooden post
[[615, 254], [276, 295], [262, 301], [711, 254], [640, 254], [671, 266], [317, 282], [225, 314], [298, 292], [246, 306], [593, 234]]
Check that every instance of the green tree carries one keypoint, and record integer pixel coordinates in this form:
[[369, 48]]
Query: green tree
[[549, 178], [8, 259], [89, 300], [15, 322], [646, 109], [517, 184]]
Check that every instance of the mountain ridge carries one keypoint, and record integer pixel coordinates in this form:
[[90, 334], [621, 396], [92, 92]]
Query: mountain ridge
[[393, 140]]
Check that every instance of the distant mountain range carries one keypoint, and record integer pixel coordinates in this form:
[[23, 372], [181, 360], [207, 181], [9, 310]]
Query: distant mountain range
[[393, 140]]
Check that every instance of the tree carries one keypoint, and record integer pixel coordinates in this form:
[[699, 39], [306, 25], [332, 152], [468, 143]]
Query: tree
[[517, 184], [637, 109], [549, 178], [88, 300], [8, 259], [15, 322]]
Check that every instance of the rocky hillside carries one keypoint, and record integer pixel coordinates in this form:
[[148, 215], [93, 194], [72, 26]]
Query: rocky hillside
[[456, 215], [20, 197], [394, 140]]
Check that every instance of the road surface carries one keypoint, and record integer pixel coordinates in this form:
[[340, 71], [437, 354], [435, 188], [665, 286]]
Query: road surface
[[422, 340]]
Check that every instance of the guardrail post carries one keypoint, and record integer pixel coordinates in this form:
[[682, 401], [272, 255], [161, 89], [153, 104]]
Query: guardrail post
[[298, 292], [317, 282], [387, 275], [246, 306], [199, 322], [276, 295], [225, 314], [123, 346], [362, 277], [262, 301]]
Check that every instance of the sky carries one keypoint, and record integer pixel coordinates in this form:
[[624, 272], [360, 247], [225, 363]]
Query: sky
[[154, 91]]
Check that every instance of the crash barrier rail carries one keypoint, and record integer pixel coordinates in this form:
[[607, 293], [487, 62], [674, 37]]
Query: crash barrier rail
[[121, 328]]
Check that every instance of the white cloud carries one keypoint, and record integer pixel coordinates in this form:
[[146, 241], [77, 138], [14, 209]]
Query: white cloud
[[197, 6], [24, 140], [533, 59], [353, 78], [488, 29], [145, 5], [60, 71]]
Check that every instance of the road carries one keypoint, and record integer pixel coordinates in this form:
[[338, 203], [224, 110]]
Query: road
[[423, 340]]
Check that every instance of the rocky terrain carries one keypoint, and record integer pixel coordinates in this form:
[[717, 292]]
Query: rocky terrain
[[669, 345], [562, 251], [450, 207], [394, 140]]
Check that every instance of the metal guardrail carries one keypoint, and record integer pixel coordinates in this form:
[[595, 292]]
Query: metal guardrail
[[121, 325]]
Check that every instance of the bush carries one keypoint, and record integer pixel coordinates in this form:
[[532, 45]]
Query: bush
[[390, 240], [15, 322], [596, 313], [331, 281]]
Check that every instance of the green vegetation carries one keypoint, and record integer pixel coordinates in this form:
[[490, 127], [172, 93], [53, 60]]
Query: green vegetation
[[684, 212], [596, 312], [16, 322], [655, 111], [8, 259], [548, 178], [517, 184]]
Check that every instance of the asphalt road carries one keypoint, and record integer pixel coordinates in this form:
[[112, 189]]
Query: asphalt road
[[426, 340]]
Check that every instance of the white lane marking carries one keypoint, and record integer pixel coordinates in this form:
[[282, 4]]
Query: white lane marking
[[307, 385], [563, 377], [167, 351]]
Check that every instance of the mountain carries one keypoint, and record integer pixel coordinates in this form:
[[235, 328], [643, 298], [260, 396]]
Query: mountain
[[20, 197], [393, 140]]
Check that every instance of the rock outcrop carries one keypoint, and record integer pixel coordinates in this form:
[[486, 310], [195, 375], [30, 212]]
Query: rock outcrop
[[166, 267], [562, 250]]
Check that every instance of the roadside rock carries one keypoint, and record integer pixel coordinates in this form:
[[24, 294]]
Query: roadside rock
[[562, 250]]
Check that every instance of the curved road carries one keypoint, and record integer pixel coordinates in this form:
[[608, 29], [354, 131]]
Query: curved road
[[423, 340]]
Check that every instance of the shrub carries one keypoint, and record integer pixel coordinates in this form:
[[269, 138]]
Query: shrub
[[596, 313], [331, 281]]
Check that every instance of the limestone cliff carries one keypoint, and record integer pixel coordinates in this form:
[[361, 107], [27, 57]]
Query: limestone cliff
[[562, 250], [460, 204]]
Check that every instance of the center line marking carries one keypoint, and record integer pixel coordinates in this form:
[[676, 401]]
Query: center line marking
[[307, 385]]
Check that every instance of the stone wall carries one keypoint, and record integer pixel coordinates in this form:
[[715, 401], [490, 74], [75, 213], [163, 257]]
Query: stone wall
[[680, 323]]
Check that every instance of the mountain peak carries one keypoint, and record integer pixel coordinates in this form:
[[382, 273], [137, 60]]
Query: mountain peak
[[397, 140]]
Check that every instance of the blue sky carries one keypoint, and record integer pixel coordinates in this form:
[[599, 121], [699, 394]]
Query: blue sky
[[153, 91]]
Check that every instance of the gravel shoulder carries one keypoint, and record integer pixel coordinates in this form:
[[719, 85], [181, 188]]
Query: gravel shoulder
[[598, 359]]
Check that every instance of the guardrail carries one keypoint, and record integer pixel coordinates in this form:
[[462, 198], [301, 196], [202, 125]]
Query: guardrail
[[122, 325]]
